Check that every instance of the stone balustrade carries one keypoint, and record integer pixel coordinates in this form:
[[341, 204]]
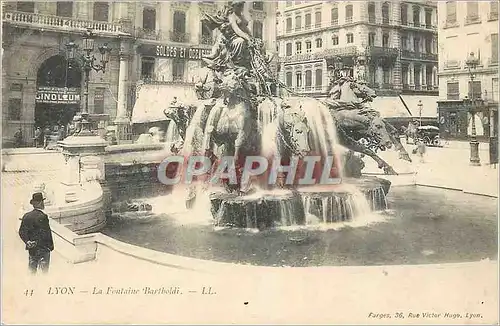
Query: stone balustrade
[[59, 23]]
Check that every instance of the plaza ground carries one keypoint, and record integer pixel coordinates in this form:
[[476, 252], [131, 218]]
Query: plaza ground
[[313, 295]]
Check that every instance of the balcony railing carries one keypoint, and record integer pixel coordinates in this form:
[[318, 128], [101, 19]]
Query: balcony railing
[[379, 51], [148, 34], [452, 64], [493, 16], [334, 22], [177, 80], [407, 54], [179, 37], [59, 23], [348, 19], [472, 20], [493, 62], [425, 26], [346, 51]]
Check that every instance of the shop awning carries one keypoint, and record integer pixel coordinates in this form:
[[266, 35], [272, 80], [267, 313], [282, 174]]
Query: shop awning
[[390, 106], [429, 105], [153, 99]]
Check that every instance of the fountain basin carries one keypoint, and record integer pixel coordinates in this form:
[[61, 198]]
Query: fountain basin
[[286, 208]]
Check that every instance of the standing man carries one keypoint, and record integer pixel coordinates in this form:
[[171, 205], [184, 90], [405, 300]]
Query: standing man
[[36, 234]]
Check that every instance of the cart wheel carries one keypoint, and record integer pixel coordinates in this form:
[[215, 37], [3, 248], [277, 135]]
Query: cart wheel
[[427, 141], [436, 141]]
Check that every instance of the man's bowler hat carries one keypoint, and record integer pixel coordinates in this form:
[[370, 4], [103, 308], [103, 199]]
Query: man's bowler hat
[[37, 197]]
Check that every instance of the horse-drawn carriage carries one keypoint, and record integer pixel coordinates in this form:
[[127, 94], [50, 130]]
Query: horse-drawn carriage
[[429, 134]]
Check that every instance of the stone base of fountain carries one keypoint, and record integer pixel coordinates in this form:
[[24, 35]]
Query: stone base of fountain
[[269, 210]]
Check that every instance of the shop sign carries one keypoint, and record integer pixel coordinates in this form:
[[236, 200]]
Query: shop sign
[[57, 95], [166, 51]]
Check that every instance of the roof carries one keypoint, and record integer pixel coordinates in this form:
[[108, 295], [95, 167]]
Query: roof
[[154, 98]]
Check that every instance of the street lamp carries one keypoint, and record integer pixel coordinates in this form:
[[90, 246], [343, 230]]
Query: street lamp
[[471, 64], [88, 62], [420, 106]]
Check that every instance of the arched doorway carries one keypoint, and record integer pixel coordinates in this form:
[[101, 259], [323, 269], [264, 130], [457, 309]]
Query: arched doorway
[[58, 92]]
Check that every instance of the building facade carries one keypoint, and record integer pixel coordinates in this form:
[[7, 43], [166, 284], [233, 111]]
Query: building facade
[[465, 28], [397, 38], [152, 42]]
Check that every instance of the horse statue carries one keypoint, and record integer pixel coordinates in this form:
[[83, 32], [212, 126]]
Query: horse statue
[[180, 114]]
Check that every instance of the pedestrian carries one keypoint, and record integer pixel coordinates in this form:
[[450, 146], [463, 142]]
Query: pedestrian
[[18, 138], [36, 234], [421, 148], [38, 137], [46, 137]]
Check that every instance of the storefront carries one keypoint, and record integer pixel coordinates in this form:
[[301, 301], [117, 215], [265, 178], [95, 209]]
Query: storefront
[[455, 119]]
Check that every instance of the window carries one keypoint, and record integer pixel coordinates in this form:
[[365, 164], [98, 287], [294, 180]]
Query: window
[[452, 91], [319, 43], [298, 79], [289, 25], [147, 68], [474, 90], [416, 44], [451, 12], [179, 27], [64, 9], [298, 47], [206, 33], [472, 11], [317, 19], [493, 9], [348, 13], [494, 91], [335, 39], [25, 6], [335, 15], [319, 78], [15, 109], [178, 66], [416, 16], [385, 40], [404, 14], [308, 46], [288, 4], [350, 38], [99, 100], [371, 39], [308, 21], [101, 11], [258, 5], [371, 12], [149, 19], [298, 23], [385, 13], [428, 18], [288, 49], [386, 76], [428, 45], [257, 29], [494, 48], [308, 79], [404, 43], [289, 79]]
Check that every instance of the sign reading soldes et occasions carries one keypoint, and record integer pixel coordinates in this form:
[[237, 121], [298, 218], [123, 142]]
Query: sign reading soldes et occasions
[[167, 51], [57, 95]]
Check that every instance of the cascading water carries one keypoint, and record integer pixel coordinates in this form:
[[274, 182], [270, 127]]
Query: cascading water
[[172, 135]]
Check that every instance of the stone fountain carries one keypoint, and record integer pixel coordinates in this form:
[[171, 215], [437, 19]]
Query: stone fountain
[[243, 110]]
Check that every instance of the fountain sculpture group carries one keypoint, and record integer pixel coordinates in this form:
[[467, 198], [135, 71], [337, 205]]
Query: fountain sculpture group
[[239, 114]]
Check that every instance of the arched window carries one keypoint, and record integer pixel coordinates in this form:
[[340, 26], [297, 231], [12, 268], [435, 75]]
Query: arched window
[[385, 13], [257, 29], [319, 43], [385, 40], [298, 23], [288, 24], [101, 11], [308, 79], [335, 15], [319, 78], [289, 79], [335, 39], [348, 14]]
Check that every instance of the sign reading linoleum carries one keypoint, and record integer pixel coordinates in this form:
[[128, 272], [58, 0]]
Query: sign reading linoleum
[[57, 95]]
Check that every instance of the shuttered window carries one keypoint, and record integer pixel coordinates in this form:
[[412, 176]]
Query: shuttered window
[[288, 49], [453, 91], [149, 19]]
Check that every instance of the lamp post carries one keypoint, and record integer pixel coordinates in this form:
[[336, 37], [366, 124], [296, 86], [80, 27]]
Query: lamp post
[[471, 64], [88, 63], [420, 106]]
